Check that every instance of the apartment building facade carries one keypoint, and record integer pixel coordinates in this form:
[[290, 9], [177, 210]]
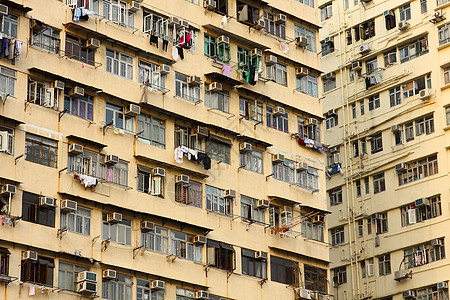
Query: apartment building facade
[[385, 82], [161, 150]]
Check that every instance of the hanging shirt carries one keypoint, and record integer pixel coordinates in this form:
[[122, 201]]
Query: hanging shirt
[[226, 70], [174, 53], [224, 22]]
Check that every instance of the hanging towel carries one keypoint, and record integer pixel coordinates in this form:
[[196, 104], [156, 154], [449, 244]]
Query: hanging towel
[[174, 53], [178, 155], [224, 22], [226, 70], [76, 14]]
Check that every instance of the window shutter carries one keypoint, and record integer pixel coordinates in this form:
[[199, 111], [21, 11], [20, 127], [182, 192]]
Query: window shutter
[[211, 256]]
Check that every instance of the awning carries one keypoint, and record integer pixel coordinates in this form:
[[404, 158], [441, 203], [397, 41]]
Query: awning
[[162, 164], [226, 247], [216, 76], [15, 5], [211, 243], [9, 180], [284, 200], [240, 39], [4, 250], [295, 62], [310, 258], [220, 139], [323, 211], [6, 119], [253, 140], [86, 141]]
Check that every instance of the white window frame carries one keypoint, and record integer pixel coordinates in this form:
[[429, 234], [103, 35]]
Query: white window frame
[[119, 64], [79, 219]]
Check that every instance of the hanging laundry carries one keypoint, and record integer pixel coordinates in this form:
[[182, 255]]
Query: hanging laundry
[[154, 40], [224, 22], [286, 49], [180, 52], [174, 53], [178, 155], [226, 70], [76, 15], [165, 44], [32, 290], [12, 43], [88, 181], [193, 154], [251, 75], [205, 159], [5, 48]]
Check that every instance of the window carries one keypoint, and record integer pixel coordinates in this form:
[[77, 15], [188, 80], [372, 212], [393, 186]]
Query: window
[[117, 232], [374, 102], [307, 33], [216, 202], [327, 46], [284, 171], [326, 12], [405, 12], [308, 85], [157, 25], [339, 276], [82, 107], [363, 268], [251, 109], [157, 240], [117, 289], [252, 161], [409, 131], [186, 91], [245, 60], [181, 247], [143, 290], [119, 64], [362, 107], [369, 226], [366, 185], [67, 275], [76, 49], [335, 196], [358, 188], [311, 131], [360, 228], [384, 264], [337, 236], [308, 179], [4, 261], [183, 137], [381, 223], [41, 150], [92, 5], [277, 29], [328, 84], [218, 100], [376, 143], [390, 57], [246, 13], [312, 230], [316, 279], [7, 81], [115, 116], [443, 34], [40, 93], [284, 270], [38, 271], [331, 121], [395, 96], [378, 183], [185, 294], [418, 169], [429, 209], [277, 72], [150, 75], [353, 110], [425, 125], [371, 65], [253, 266], [447, 114], [210, 46], [117, 12], [414, 49], [390, 20], [367, 29], [447, 75], [307, 2], [79, 221], [10, 25], [431, 292], [251, 212], [279, 122], [221, 255], [217, 150], [398, 137], [6, 140], [424, 254], [219, 51], [47, 39], [423, 6], [414, 87], [152, 130], [190, 194]]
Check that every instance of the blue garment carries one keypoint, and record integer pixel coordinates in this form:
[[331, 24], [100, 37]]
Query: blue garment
[[5, 46], [76, 14]]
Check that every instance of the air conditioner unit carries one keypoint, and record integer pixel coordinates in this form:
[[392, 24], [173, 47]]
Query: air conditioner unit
[[356, 65], [4, 138], [114, 217], [59, 85], [409, 294], [164, 69], [87, 287], [256, 52], [29, 255], [402, 25], [87, 276], [184, 23], [182, 179], [278, 158], [395, 128], [77, 92], [109, 274], [438, 16], [271, 59], [411, 213], [194, 80], [424, 94], [245, 147], [421, 201], [158, 285], [111, 159], [304, 293], [301, 72], [215, 87], [159, 172], [75, 149], [332, 112], [286, 209], [370, 270], [134, 6], [400, 275], [3, 10], [301, 41], [147, 226], [209, 4], [8, 189], [376, 216], [442, 285], [279, 111], [280, 18], [317, 219], [313, 121], [334, 149], [263, 203], [92, 44], [132, 110], [261, 254], [69, 205], [301, 166], [260, 24], [400, 167], [199, 239], [229, 193], [436, 242], [202, 131], [330, 75], [46, 201], [174, 21], [364, 48], [223, 40], [201, 295]]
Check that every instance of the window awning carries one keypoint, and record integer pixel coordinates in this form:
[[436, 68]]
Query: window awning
[[162, 164], [220, 139], [240, 39], [212, 243], [86, 141], [283, 200], [4, 251], [295, 62], [14, 5], [226, 247], [6, 119], [254, 141], [216, 76]]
